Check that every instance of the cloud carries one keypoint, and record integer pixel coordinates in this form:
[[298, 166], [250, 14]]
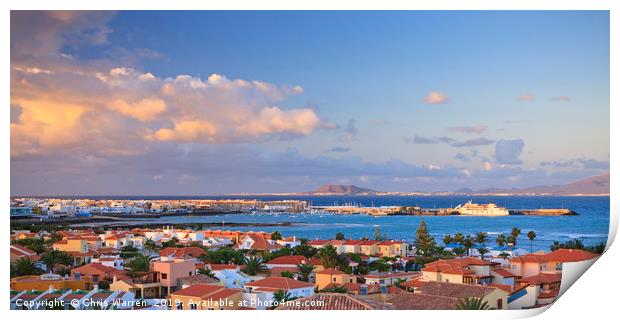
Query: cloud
[[508, 151], [435, 97], [557, 164], [593, 164], [473, 142], [526, 97], [424, 140], [340, 149], [479, 128], [560, 98], [350, 132], [63, 103]]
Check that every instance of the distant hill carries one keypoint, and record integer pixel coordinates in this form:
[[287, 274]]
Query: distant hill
[[598, 185], [341, 189]]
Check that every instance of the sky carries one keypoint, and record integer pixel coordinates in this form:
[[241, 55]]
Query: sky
[[205, 103]]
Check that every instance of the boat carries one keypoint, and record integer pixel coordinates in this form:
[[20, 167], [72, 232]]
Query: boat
[[474, 209]]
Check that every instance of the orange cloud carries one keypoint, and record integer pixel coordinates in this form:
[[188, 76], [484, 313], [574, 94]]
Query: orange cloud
[[435, 97]]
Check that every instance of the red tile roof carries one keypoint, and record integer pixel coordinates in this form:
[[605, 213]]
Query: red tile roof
[[330, 271], [183, 252], [570, 255], [421, 301], [219, 266], [543, 278], [335, 301], [282, 283], [292, 260], [504, 273]]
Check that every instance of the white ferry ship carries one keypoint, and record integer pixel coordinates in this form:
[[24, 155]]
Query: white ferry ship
[[474, 209]]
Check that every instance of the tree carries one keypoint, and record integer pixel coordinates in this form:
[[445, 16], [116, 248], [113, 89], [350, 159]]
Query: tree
[[482, 252], [208, 272], [447, 239], [339, 236], [287, 274], [459, 251], [281, 297], [254, 266], [468, 243], [304, 271], [424, 243], [472, 303], [531, 235], [458, 237], [139, 263], [54, 258], [504, 255], [501, 240], [398, 283], [223, 255], [481, 237], [150, 245], [305, 250], [276, 235], [328, 256], [336, 289], [515, 234], [172, 242], [24, 267]]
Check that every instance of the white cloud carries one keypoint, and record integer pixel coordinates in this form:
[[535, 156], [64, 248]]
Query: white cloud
[[435, 97]]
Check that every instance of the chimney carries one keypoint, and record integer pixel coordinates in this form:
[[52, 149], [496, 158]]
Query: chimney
[[114, 279], [51, 289], [96, 288]]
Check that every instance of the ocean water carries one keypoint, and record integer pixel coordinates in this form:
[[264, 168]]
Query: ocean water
[[591, 225]]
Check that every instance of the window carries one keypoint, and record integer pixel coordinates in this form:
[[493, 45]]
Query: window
[[500, 303], [179, 305], [334, 279], [164, 276], [190, 273], [193, 306]]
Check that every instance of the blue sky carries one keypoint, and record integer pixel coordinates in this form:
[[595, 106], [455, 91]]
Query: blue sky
[[522, 98]]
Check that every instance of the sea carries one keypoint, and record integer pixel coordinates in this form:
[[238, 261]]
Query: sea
[[591, 225]]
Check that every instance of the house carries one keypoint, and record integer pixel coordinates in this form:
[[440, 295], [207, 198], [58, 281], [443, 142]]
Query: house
[[182, 253], [229, 274], [258, 242], [495, 298], [185, 282], [43, 282], [98, 272], [216, 242], [335, 301], [289, 242], [143, 286], [170, 270], [330, 276], [77, 247], [206, 297], [390, 278], [369, 247], [392, 248], [545, 286], [18, 252], [460, 270], [259, 293], [113, 261]]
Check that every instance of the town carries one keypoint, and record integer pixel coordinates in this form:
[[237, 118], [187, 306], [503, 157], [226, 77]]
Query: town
[[172, 268]]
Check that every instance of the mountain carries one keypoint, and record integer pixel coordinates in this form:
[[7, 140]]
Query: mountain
[[598, 185], [341, 189]]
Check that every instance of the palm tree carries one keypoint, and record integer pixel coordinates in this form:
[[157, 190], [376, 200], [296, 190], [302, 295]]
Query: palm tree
[[531, 235], [276, 235], [468, 243], [328, 256], [482, 252], [504, 255], [54, 258], [150, 245], [472, 303], [139, 263], [281, 297], [24, 267], [459, 251], [458, 238], [208, 272], [339, 236], [501, 240], [515, 234], [253, 266], [481, 237], [305, 270], [336, 289], [447, 239]]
